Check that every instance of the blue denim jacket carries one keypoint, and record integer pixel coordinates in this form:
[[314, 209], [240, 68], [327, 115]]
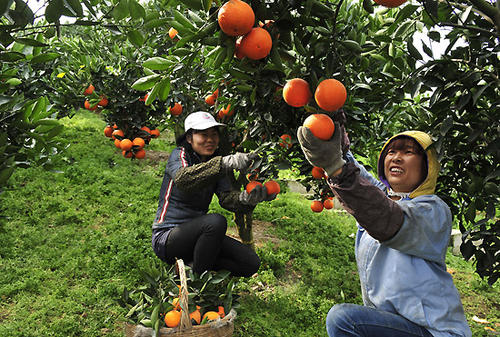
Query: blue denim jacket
[[407, 274]]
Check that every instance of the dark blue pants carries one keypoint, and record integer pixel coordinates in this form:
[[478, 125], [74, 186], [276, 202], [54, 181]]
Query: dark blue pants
[[352, 320], [203, 242]]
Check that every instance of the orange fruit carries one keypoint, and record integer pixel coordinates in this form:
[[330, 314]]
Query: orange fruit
[[211, 315], [115, 126], [320, 125], [140, 154], [228, 112], [196, 315], [317, 172], [104, 101], [145, 128], [89, 90], [155, 133], [172, 32], [272, 187], [176, 303], [251, 185], [328, 203], [221, 311], [88, 107], [216, 93], [330, 95], [316, 206], [254, 175], [108, 130], [390, 3], [210, 99], [286, 141], [220, 114], [117, 143], [257, 44], [126, 144], [296, 92], [172, 318], [143, 99], [236, 18], [117, 133], [138, 141], [127, 154], [176, 110]]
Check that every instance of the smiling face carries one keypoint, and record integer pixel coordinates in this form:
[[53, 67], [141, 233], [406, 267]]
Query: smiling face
[[404, 165], [204, 142]]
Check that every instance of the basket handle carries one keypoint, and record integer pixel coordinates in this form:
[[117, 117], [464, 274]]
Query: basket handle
[[185, 323]]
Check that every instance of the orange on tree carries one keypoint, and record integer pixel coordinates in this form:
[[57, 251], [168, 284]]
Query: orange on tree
[[296, 92], [88, 107], [251, 185], [143, 99], [330, 94], [126, 144], [140, 154], [155, 133], [321, 126], [221, 311], [272, 187], [228, 112], [108, 130], [210, 99], [176, 110], [172, 318], [256, 44], [317, 172], [145, 128], [316, 206], [211, 315], [118, 134], [176, 303], [216, 93], [390, 3], [286, 141], [117, 143], [328, 203], [139, 142], [127, 154], [172, 32], [104, 101], [236, 18], [89, 90]]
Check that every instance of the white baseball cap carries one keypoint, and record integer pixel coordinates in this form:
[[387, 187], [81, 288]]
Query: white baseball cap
[[200, 120]]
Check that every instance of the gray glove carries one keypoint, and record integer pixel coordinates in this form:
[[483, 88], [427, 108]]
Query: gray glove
[[326, 154], [238, 161], [258, 194]]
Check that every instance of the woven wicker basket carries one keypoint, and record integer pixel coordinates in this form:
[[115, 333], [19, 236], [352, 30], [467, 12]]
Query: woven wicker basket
[[223, 327]]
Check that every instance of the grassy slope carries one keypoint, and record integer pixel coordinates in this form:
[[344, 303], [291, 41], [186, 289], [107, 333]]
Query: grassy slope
[[76, 235]]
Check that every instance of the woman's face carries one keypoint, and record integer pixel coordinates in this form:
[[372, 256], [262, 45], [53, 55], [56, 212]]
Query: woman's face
[[403, 167], [204, 142]]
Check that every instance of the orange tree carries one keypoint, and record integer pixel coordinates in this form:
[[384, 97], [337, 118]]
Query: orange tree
[[390, 86]]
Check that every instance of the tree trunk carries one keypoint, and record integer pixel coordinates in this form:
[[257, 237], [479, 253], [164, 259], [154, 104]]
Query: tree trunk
[[244, 223]]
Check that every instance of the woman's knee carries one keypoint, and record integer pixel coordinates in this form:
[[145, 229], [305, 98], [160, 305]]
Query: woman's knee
[[339, 319], [216, 223]]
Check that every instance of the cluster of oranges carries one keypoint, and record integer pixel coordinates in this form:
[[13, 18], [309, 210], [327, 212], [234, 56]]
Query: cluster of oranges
[[317, 205], [93, 100], [272, 187], [172, 317], [131, 148], [223, 112], [237, 18]]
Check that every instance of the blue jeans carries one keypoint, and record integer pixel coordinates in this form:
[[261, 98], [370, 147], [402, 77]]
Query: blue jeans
[[352, 320]]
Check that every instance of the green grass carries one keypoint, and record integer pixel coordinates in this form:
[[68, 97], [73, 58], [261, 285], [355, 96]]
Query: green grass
[[74, 237]]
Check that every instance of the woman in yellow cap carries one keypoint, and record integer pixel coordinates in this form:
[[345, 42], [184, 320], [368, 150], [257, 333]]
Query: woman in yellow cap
[[403, 234]]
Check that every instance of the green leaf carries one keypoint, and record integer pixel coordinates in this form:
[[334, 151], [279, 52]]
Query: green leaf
[[44, 58], [54, 10], [121, 10], [181, 52], [13, 81], [412, 50], [145, 83], [31, 42], [136, 38], [479, 92], [158, 63], [352, 45], [446, 126], [164, 89], [405, 13], [75, 6], [4, 6], [55, 131], [5, 174], [136, 10], [154, 23], [181, 19], [368, 6]]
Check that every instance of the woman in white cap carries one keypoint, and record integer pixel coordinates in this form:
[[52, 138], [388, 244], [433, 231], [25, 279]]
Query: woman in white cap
[[183, 228]]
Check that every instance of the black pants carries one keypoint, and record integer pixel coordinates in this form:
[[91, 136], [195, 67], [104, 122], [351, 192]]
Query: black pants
[[203, 242]]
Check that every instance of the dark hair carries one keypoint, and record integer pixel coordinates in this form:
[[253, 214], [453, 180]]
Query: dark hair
[[404, 142]]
